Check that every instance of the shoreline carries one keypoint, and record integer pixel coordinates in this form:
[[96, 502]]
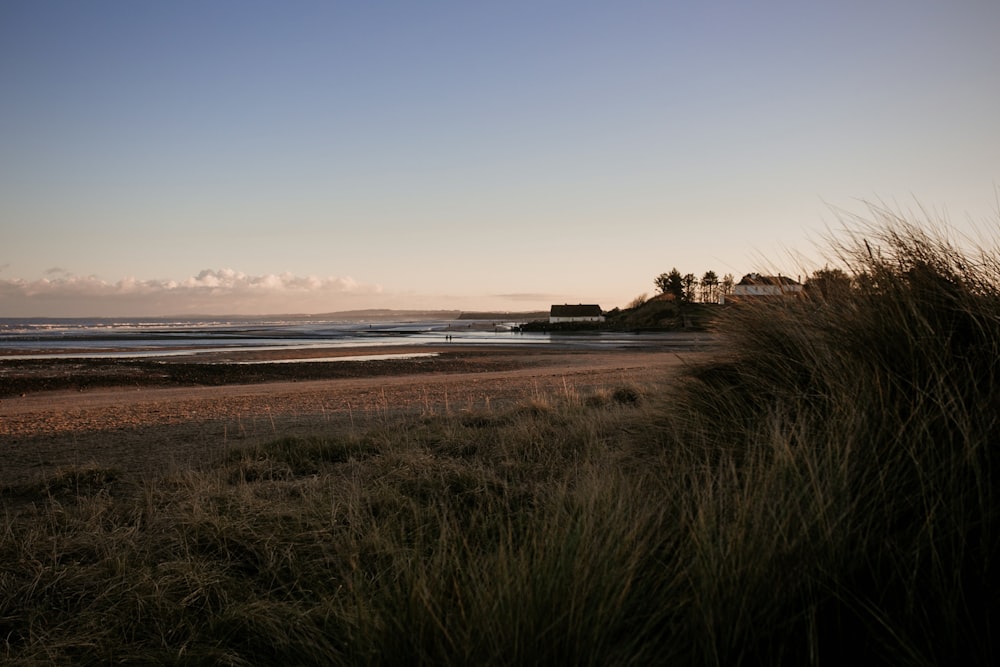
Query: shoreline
[[33, 370], [25, 377]]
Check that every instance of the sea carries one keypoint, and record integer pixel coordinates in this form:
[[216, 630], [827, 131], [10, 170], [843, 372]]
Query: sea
[[83, 338]]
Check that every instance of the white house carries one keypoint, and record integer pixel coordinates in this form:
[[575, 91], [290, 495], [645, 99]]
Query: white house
[[578, 313], [754, 286]]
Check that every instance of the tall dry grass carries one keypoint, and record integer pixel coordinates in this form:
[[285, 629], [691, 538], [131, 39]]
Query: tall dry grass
[[842, 456], [822, 493], [434, 539]]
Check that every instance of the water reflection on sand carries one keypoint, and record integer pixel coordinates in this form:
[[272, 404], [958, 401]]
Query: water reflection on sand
[[201, 340], [352, 357]]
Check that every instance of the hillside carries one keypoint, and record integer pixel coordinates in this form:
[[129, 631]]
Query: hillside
[[659, 313], [662, 313]]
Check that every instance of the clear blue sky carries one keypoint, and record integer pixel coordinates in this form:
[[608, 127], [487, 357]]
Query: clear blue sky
[[239, 156]]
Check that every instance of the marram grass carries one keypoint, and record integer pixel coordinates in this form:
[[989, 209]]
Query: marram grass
[[822, 493]]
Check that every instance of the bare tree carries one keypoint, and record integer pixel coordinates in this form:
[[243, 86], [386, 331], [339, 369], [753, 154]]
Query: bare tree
[[728, 282], [637, 301]]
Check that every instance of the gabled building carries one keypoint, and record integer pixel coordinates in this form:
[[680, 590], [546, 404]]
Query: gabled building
[[578, 313], [755, 286]]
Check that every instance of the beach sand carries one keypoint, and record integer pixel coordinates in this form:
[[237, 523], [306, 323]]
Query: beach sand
[[143, 425]]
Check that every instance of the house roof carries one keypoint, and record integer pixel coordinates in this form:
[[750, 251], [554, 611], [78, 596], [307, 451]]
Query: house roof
[[757, 279], [579, 310]]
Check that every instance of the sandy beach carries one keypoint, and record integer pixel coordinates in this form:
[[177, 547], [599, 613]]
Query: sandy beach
[[141, 424]]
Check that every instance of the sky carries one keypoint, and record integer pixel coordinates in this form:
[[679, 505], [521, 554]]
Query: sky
[[249, 157]]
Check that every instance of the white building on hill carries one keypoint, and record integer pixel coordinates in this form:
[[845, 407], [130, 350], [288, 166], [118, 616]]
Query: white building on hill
[[755, 286]]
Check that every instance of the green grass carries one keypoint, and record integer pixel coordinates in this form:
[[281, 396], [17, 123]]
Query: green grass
[[822, 493]]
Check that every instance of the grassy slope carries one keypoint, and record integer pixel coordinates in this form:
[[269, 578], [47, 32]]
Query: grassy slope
[[822, 495]]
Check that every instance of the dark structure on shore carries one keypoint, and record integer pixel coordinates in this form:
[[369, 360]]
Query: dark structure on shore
[[578, 313]]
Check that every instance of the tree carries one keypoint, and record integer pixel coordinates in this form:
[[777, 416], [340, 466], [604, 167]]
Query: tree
[[661, 282], [727, 284], [710, 287], [671, 283], [827, 283], [690, 284]]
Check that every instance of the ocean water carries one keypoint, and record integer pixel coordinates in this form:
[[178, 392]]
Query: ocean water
[[153, 337]]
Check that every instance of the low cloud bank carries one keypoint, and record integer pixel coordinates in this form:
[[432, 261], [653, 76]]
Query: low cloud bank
[[223, 291]]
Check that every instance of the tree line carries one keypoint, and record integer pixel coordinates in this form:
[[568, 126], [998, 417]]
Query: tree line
[[687, 288]]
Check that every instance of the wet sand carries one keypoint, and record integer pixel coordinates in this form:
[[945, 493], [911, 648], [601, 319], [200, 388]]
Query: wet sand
[[141, 424]]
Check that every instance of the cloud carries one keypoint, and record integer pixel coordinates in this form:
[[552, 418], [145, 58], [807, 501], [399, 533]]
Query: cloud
[[228, 281], [211, 291]]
